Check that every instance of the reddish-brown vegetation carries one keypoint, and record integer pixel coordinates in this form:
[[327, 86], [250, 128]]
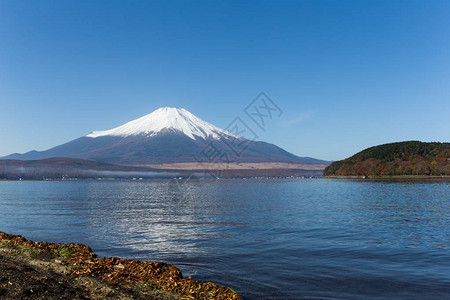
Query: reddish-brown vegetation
[[83, 261], [405, 158]]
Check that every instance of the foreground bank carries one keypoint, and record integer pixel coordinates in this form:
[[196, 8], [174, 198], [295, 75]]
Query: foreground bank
[[41, 270]]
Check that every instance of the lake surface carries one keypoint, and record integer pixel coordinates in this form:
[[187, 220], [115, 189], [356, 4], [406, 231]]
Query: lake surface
[[268, 239]]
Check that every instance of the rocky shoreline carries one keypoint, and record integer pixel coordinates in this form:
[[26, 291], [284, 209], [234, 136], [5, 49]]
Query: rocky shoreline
[[41, 270]]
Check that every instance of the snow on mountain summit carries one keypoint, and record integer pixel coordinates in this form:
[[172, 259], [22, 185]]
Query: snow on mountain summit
[[166, 118]]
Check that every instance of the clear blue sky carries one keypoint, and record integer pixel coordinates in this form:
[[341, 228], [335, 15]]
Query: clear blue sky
[[347, 74]]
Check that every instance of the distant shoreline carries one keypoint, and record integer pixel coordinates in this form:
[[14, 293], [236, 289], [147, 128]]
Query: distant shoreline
[[77, 169], [305, 176], [248, 178]]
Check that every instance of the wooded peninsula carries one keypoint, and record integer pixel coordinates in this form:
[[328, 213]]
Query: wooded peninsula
[[412, 158]]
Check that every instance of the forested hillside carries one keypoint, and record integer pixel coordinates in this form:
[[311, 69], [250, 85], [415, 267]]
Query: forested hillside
[[403, 158]]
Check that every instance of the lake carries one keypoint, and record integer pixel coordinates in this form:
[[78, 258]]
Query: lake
[[267, 239]]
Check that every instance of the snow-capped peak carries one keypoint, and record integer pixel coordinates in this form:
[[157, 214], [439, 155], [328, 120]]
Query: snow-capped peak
[[166, 118]]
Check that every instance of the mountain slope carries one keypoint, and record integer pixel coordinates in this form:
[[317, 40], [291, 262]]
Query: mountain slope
[[167, 135], [403, 158], [166, 119]]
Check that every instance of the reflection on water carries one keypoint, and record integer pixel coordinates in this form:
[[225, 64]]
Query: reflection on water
[[283, 239]]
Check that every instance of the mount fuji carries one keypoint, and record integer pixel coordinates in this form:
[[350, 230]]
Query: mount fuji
[[167, 135]]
